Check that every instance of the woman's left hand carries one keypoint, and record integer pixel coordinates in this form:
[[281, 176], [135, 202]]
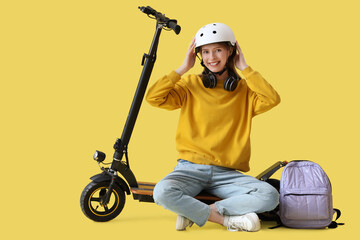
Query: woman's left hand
[[240, 62]]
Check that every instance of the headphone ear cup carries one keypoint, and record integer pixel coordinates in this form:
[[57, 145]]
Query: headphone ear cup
[[209, 80], [231, 82]]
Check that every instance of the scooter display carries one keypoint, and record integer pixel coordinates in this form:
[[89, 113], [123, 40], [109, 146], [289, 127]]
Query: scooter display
[[104, 197]]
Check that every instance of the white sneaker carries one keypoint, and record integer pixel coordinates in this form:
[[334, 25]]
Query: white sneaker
[[182, 223], [248, 222]]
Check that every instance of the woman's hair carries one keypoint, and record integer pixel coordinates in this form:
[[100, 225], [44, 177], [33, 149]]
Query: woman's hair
[[230, 64]]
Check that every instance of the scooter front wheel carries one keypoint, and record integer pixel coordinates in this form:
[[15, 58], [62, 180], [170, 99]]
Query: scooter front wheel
[[92, 205]]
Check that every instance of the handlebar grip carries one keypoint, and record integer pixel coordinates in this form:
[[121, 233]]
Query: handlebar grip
[[148, 10], [173, 25]]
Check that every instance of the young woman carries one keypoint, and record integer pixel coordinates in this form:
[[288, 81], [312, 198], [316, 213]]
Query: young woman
[[213, 135]]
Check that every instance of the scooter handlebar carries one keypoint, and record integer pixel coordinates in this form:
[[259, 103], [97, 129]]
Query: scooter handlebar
[[170, 23]]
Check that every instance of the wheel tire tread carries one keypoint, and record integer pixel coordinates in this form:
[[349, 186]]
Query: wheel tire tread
[[88, 191]]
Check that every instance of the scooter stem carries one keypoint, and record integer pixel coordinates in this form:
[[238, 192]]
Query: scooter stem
[[150, 58]]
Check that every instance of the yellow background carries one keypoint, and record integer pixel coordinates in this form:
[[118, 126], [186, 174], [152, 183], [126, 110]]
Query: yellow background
[[68, 73]]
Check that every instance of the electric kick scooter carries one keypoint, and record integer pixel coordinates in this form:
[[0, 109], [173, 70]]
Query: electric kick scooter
[[104, 197]]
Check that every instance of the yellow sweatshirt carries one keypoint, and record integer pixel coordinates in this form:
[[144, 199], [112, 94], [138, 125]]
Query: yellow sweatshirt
[[214, 125]]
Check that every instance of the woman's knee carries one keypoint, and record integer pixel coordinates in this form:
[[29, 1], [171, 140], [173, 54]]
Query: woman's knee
[[271, 198], [164, 192], [158, 193]]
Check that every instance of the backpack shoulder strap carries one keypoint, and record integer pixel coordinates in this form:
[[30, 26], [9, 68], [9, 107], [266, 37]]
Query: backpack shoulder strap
[[278, 221], [334, 224]]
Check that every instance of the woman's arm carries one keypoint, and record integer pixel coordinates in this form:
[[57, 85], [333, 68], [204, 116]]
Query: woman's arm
[[189, 60], [264, 95]]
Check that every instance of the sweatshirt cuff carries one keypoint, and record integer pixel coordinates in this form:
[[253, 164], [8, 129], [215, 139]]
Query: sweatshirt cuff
[[174, 77], [247, 72]]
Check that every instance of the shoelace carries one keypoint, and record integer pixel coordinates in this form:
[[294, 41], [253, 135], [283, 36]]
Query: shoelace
[[186, 223], [236, 226]]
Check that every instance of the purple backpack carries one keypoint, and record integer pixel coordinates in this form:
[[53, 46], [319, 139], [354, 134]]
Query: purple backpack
[[306, 196]]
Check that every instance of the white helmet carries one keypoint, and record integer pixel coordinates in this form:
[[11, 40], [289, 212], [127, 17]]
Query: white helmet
[[213, 33]]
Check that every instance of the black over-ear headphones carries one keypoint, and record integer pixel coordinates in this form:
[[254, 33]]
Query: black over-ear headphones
[[209, 80]]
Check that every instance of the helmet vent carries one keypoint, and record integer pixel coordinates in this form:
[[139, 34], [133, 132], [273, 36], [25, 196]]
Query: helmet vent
[[214, 32], [201, 35]]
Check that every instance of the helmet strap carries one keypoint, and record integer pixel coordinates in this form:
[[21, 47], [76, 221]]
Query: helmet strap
[[221, 72]]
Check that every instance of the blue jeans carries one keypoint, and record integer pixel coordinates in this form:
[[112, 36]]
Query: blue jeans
[[241, 193]]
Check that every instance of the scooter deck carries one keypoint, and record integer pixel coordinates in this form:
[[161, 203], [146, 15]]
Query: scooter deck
[[147, 188]]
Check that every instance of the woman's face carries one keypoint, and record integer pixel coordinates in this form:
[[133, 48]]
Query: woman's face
[[215, 56]]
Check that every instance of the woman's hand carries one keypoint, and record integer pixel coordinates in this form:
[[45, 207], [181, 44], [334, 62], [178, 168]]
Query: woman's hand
[[240, 62], [189, 61]]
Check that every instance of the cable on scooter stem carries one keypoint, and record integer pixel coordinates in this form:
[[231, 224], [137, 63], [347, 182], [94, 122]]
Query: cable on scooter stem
[[170, 23]]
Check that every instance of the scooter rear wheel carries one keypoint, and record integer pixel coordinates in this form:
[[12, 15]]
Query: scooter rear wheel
[[92, 197]]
